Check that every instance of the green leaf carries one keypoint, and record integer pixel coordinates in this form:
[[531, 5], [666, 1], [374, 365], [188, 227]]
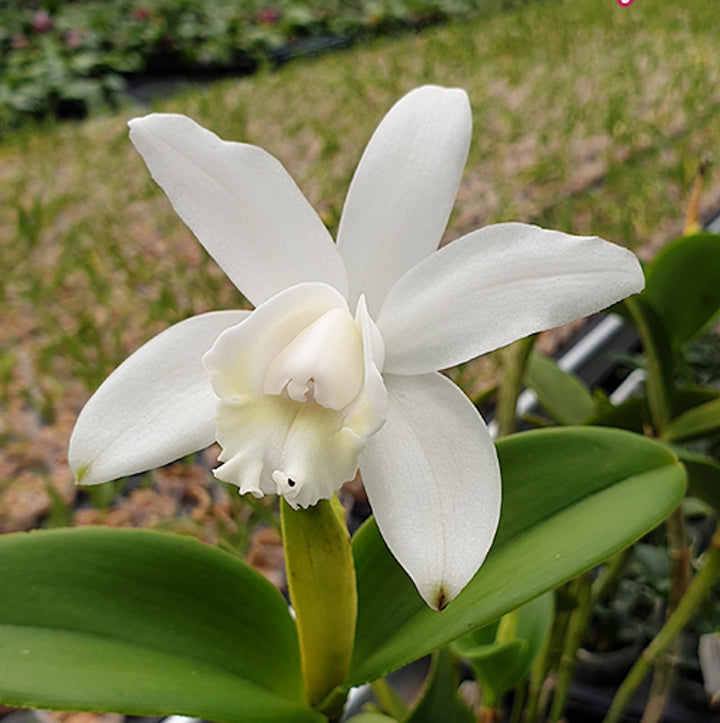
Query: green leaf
[[696, 422], [566, 399], [504, 660], [630, 415], [371, 717], [490, 669], [682, 285], [687, 398], [703, 476], [440, 700], [571, 498], [144, 623]]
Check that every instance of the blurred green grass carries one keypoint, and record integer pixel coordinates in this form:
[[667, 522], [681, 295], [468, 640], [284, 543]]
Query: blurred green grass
[[589, 117]]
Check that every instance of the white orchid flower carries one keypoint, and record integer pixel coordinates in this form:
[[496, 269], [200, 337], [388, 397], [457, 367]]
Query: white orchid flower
[[336, 368]]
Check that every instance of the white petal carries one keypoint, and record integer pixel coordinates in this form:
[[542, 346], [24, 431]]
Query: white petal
[[403, 190], [497, 285], [432, 477], [157, 406], [367, 413], [241, 204]]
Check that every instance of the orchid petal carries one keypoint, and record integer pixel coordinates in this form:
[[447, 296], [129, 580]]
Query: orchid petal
[[367, 413], [156, 407], [241, 204], [433, 480], [494, 286], [403, 190]]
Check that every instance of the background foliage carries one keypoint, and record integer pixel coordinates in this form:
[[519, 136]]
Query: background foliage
[[71, 58]]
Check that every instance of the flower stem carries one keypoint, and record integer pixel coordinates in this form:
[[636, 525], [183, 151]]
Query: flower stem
[[518, 702], [321, 579], [659, 365], [538, 673], [680, 573], [582, 589], [515, 358], [696, 592], [692, 217], [390, 702], [547, 659]]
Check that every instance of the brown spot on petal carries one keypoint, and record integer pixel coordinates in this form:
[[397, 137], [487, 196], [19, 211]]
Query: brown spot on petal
[[441, 601]]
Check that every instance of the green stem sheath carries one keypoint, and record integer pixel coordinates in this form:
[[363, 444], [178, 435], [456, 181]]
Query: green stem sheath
[[680, 574], [608, 578], [547, 659], [575, 629], [659, 362], [515, 358], [321, 580], [390, 702]]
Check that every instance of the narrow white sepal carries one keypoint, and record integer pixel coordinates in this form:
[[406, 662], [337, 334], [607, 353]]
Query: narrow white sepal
[[241, 204], [156, 407], [494, 286], [433, 480]]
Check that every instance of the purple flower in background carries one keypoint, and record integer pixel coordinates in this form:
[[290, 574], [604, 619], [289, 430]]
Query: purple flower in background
[[42, 22]]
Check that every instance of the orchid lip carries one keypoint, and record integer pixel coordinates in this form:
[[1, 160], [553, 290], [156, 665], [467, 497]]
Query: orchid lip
[[298, 395]]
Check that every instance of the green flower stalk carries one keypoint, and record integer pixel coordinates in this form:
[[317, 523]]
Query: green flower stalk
[[321, 579]]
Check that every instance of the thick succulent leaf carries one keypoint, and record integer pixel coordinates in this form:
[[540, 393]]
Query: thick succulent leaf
[[144, 623], [571, 498], [440, 700], [703, 474], [403, 190], [687, 398], [682, 285], [696, 422], [561, 393], [630, 415]]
